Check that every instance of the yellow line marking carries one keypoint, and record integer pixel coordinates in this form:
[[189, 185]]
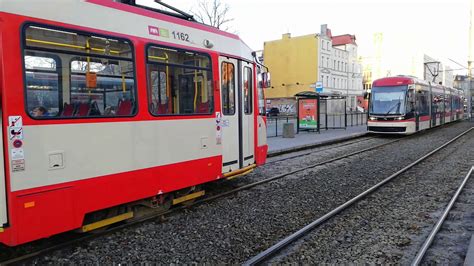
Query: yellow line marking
[[108, 221], [189, 197]]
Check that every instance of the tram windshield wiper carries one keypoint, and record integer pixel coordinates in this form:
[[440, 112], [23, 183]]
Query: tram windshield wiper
[[397, 105]]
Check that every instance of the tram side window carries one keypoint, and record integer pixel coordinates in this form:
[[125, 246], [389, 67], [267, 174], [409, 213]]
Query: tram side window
[[437, 104], [179, 82], [93, 76], [424, 107], [114, 84], [42, 83], [447, 103], [228, 88], [248, 90]]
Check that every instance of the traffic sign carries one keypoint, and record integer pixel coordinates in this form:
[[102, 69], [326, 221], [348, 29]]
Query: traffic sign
[[319, 86]]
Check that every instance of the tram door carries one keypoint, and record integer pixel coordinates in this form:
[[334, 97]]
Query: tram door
[[3, 198], [230, 120], [237, 98], [247, 109]]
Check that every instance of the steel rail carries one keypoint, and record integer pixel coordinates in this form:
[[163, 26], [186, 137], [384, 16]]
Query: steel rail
[[429, 240], [207, 199], [321, 150], [273, 250]]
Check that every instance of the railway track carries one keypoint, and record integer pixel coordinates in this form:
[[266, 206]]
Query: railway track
[[278, 248], [331, 146], [83, 238], [444, 245]]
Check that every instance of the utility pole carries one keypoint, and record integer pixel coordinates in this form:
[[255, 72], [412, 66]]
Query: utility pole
[[470, 61], [471, 42]]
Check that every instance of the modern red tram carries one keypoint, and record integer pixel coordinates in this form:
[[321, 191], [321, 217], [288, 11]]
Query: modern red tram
[[405, 105], [109, 108]]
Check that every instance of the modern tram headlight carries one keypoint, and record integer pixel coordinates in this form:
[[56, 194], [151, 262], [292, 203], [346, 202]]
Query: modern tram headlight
[[400, 118], [372, 118]]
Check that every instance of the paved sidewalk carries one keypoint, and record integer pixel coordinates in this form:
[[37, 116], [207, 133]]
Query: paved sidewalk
[[277, 145]]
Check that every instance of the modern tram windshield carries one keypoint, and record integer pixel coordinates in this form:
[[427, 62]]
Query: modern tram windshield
[[388, 100]]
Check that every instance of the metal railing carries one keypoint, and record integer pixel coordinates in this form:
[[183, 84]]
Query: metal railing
[[327, 121], [275, 124]]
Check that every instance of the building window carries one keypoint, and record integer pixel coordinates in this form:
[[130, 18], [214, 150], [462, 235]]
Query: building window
[[322, 61], [179, 82], [71, 74]]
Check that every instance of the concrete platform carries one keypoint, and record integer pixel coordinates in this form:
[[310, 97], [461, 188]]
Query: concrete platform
[[305, 140]]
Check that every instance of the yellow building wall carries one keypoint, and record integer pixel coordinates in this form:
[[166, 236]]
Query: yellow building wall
[[292, 63]]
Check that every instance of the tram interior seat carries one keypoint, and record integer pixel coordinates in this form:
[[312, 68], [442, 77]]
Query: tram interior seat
[[83, 109], [203, 107], [162, 108], [125, 107], [68, 110]]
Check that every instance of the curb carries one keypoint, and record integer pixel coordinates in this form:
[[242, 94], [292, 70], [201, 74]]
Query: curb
[[469, 261], [316, 144]]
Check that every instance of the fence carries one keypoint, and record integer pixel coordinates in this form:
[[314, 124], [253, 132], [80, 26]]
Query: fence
[[327, 121]]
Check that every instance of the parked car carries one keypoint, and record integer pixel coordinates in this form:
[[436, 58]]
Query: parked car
[[274, 111]]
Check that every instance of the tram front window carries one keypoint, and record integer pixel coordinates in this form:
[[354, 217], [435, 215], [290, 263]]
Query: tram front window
[[388, 100]]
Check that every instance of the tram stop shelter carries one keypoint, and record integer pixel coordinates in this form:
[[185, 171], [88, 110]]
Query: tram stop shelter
[[316, 111]]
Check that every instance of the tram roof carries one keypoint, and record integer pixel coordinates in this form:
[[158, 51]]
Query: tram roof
[[110, 17]]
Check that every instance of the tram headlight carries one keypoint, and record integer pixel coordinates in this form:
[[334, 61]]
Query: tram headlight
[[372, 118], [400, 118]]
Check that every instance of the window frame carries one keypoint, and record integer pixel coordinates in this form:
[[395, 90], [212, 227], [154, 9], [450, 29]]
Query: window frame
[[148, 89], [24, 47]]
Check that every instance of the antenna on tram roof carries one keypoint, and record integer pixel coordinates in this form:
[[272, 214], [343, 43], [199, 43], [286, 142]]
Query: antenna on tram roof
[[179, 13], [184, 14]]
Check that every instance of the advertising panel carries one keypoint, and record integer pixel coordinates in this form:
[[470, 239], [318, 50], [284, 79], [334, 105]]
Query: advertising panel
[[307, 114]]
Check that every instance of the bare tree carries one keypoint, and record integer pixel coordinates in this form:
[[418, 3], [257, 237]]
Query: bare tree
[[213, 13]]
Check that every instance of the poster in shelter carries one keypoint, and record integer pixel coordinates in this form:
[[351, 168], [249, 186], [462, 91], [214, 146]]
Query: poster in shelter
[[307, 113]]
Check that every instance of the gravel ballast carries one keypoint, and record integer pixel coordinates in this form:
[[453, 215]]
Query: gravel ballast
[[233, 229]]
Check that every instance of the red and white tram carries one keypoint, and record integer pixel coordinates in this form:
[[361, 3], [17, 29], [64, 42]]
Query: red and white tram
[[108, 106], [405, 105]]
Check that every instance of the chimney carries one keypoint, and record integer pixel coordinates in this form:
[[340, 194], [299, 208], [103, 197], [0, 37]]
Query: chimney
[[324, 29]]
